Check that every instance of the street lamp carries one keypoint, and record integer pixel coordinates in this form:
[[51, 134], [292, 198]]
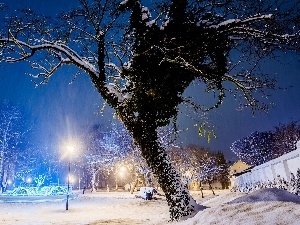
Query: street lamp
[[28, 180], [70, 151]]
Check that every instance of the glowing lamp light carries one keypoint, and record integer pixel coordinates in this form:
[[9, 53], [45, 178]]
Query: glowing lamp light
[[28, 180], [122, 171], [71, 179], [70, 149]]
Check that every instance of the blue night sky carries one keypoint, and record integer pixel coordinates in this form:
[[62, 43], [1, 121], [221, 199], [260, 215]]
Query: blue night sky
[[59, 108]]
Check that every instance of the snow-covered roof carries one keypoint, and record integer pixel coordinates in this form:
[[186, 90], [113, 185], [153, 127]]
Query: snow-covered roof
[[239, 161]]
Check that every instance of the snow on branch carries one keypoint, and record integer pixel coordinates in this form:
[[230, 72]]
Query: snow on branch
[[61, 52], [114, 67], [113, 89], [234, 22], [249, 84], [145, 13], [246, 90], [59, 48], [239, 29], [181, 61]]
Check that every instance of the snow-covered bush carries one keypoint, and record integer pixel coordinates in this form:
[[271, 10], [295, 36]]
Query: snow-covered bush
[[261, 147], [297, 183], [292, 185]]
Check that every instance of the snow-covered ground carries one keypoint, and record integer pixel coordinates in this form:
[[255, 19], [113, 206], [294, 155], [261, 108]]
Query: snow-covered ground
[[269, 206]]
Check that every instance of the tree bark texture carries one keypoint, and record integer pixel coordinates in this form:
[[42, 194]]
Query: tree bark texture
[[180, 202]]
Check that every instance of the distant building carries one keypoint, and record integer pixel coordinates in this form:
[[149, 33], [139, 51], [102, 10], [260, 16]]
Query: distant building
[[277, 168], [235, 169], [194, 185], [238, 167]]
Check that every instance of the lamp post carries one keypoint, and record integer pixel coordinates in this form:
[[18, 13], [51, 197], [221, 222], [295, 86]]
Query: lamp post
[[70, 150]]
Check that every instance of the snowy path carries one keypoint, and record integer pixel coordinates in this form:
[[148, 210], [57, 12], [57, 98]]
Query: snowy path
[[98, 208], [264, 207]]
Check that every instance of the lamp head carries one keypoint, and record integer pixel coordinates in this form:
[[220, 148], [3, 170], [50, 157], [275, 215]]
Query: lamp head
[[70, 149]]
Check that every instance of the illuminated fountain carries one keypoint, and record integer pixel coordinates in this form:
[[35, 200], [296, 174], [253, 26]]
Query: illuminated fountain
[[29, 193], [39, 192]]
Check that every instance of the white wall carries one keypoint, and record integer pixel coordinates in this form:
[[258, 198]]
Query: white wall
[[283, 166]]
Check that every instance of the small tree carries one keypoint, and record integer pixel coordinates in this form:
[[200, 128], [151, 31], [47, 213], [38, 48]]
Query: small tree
[[209, 171], [103, 151], [186, 160], [11, 133], [223, 175]]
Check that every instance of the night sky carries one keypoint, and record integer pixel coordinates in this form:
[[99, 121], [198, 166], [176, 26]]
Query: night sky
[[60, 108]]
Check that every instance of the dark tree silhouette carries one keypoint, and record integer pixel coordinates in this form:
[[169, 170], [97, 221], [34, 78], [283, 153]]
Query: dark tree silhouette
[[223, 176], [142, 63], [285, 138], [255, 149], [261, 147]]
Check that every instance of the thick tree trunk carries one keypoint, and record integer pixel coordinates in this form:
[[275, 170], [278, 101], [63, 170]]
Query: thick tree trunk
[[180, 202]]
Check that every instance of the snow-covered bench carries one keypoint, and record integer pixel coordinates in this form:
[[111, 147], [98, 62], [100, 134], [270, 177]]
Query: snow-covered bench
[[146, 193]]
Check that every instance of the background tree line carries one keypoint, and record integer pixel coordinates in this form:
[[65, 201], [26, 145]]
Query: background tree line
[[108, 152], [104, 155], [20, 158], [261, 147]]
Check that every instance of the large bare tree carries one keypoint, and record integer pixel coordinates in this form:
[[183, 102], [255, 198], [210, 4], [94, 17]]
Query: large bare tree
[[141, 59]]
